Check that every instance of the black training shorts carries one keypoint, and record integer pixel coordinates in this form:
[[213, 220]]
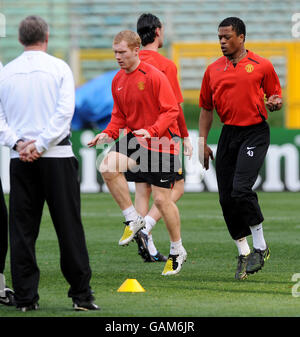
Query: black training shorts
[[155, 168]]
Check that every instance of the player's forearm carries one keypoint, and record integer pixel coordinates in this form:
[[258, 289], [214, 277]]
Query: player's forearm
[[205, 122], [7, 135], [117, 123], [181, 123]]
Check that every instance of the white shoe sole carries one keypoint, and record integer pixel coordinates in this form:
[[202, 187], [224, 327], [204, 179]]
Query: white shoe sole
[[134, 228], [183, 258]]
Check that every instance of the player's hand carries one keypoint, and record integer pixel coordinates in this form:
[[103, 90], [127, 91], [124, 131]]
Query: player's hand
[[142, 133], [21, 145], [100, 138], [274, 102], [29, 153], [187, 147], [206, 155]]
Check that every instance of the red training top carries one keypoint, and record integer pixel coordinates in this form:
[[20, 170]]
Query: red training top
[[144, 99], [168, 67], [237, 93]]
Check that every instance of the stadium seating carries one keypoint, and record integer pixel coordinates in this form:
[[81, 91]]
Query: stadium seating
[[86, 24]]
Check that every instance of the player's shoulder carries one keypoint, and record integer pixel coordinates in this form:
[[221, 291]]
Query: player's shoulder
[[166, 64], [58, 62], [9, 68], [257, 59], [11, 63], [165, 60], [148, 69], [217, 64], [158, 60], [169, 65], [49, 63], [39, 61], [118, 75], [146, 54], [151, 72]]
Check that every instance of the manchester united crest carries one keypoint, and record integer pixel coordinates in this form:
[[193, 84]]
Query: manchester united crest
[[249, 68], [141, 85]]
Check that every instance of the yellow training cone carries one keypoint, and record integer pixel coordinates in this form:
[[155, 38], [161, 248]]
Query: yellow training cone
[[131, 285]]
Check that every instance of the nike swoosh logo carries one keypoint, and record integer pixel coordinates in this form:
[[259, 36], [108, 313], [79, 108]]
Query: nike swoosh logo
[[163, 181], [251, 148], [120, 88]]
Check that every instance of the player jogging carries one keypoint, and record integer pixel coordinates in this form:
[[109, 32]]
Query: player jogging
[[144, 105], [235, 86], [151, 33]]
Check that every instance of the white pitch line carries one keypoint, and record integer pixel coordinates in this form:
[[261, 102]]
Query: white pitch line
[[198, 216]]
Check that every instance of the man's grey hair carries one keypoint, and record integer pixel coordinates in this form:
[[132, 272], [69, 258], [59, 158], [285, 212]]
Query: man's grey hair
[[33, 30]]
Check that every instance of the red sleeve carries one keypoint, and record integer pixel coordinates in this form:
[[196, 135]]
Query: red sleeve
[[168, 106], [171, 73], [205, 100], [271, 84], [182, 124], [118, 119]]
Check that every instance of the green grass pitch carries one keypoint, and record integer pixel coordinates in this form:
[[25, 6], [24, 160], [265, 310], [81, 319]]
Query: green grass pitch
[[205, 287]]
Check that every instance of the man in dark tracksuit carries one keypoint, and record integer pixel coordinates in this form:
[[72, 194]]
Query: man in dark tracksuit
[[235, 86], [6, 294], [3, 230]]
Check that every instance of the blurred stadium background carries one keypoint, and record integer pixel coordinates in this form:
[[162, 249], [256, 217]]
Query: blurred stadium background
[[82, 32]]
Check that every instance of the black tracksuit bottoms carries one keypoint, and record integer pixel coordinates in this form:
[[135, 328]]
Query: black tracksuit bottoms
[[3, 230], [240, 155], [54, 180]]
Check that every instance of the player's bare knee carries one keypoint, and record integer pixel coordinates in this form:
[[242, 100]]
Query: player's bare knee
[[109, 176], [160, 202], [103, 167], [106, 171], [109, 164]]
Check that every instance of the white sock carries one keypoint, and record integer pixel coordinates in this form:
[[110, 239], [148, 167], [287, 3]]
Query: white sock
[[151, 247], [2, 285], [242, 246], [130, 213], [258, 237], [150, 223], [176, 247]]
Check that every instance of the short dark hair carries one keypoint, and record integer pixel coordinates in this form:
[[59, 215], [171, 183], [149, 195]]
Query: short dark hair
[[33, 30], [237, 25], [146, 26]]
